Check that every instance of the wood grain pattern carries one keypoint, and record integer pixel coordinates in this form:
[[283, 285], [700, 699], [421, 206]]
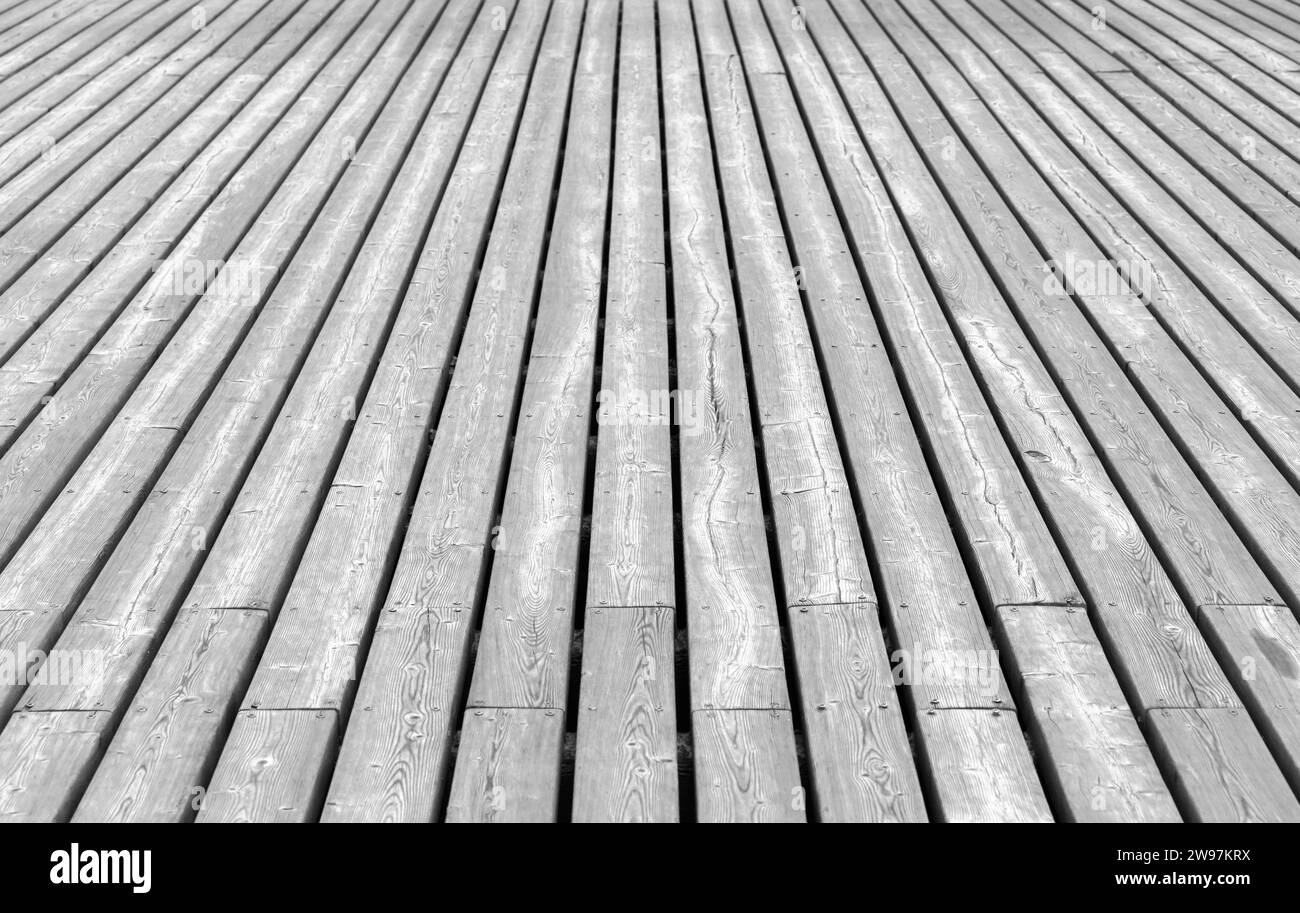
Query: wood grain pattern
[[111, 36], [746, 770], [1096, 764], [131, 452], [926, 592], [96, 78], [860, 759], [731, 614], [316, 649], [159, 761], [92, 116], [626, 765], [631, 556], [975, 763], [859, 755], [1224, 770], [507, 766], [36, 787], [270, 767], [338, 669], [1259, 647], [1216, 106], [933, 364]]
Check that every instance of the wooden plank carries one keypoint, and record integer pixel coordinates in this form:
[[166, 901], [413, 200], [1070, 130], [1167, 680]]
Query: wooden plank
[[1160, 486], [78, 397], [631, 560], [1280, 95], [1134, 447], [925, 591], [43, 740], [131, 603], [33, 126], [1015, 554], [103, 382], [112, 37], [1255, 305], [1239, 374], [930, 603], [1148, 50], [1224, 770], [860, 759], [1228, 215], [155, 767], [732, 623], [626, 766], [20, 17], [977, 763], [822, 556], [265, 751], [1256, 22], [126, 610], [1096, 765], [63, 40], [1259, 648], [36, 17], [507, 767], [1255, 197], [1248, 48], [1216, 112], [745, 770], [991, 328], [241, 563], [73, 243], [68, 135], [129, 233], [316, 647]]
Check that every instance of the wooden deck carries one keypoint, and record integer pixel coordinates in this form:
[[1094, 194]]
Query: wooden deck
[[719, 410]]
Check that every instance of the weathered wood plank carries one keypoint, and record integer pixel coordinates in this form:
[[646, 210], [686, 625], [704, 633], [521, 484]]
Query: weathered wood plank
[[243, 570], [1214, 104], [23, 18], [270, 770], [980, 770], [859, 757], [507, 767], [317, 646], [631, 560], [925, 589], [1250, 220], [82, 169], [732, 623], [42, 741], [860, 760], [1095, 762], [1224, 770], [125, 612], [141, 439], [1276, 93], [34, 126], [155, 767], [1190, 17], [745, 769], [626, 766], [1259, 647], [930, 602], [59, 36], [114, 36]]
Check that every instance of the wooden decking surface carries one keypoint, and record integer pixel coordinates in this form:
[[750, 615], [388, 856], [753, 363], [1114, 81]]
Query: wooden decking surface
[[720, 410]]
